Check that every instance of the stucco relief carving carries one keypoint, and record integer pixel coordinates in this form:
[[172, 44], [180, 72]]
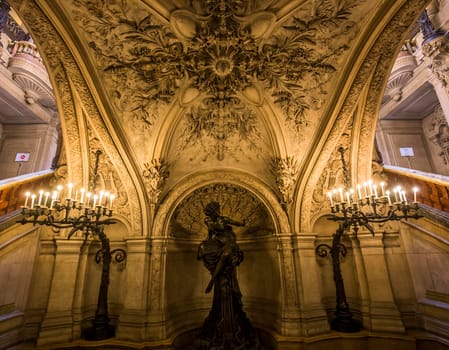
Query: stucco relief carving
[[436, 47], [438, 52], [285, 171], [235, 202], [155, 174], [215, 59], [107, 178], [438, 132], [333, 175]]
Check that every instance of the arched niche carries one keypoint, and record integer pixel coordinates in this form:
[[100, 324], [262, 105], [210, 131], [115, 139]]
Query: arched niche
[[186, 278]]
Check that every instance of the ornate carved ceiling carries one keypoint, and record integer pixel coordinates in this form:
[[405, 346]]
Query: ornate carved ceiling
[[227, 71]]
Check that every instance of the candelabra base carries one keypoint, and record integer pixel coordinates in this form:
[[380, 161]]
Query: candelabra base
[[345, 323], [100, 330]]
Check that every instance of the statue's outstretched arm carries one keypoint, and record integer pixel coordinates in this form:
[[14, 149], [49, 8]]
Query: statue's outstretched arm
[[234, 222]]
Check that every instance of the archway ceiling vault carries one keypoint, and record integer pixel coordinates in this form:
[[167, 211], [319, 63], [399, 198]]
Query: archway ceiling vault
[[220, 83]]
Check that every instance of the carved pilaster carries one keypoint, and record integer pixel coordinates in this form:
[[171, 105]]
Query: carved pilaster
[[313, 315], [132, 318], [156, 319], [57, 325], [382, 313], [290, 316]]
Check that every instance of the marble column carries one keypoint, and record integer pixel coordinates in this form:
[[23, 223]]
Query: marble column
[[57, 325]]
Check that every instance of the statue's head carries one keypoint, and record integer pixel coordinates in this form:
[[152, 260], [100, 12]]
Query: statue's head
[[212, 209]]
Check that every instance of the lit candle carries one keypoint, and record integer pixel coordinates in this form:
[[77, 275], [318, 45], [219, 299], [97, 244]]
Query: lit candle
[[95, 200], [328, 193], [365, 185], [111, 199], [101, 197], [404, 197], [53, 199], [27, 196], [348, 197], [415, 189], [82, 195], [70, 186], [58, 188], [340, 190], [47, 194], [41, 193], [76, 195], [382, 186], [375, 191], [370, 184], [88, 195], [388, 196], [106, 196], [33, 197], [399, 192], [351, 191], [395, 191], [359, 192]]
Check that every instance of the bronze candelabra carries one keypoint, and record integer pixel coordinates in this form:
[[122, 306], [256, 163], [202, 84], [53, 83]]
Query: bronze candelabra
[[353, 209], [88, 214]]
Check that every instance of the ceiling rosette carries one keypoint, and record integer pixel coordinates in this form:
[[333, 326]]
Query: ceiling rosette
[[220, 60]]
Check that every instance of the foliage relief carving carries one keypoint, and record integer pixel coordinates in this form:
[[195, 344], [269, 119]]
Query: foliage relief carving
[[215, 59]]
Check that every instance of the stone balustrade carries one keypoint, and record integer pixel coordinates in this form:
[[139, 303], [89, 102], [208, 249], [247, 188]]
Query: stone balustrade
[[25, 48]]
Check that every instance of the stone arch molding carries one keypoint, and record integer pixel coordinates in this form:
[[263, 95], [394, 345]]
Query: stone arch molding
[[187, 186]]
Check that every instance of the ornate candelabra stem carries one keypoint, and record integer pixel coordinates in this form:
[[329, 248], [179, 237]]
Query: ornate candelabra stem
[[101, 328], [343, 321]]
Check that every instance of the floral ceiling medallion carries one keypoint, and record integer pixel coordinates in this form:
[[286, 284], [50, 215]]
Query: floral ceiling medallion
[[217, 58]]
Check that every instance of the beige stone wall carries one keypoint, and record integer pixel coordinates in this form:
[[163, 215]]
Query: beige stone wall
[[395, 134], [39, 140]]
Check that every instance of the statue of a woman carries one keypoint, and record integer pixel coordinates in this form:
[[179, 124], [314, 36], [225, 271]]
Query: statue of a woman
[[226, 326]]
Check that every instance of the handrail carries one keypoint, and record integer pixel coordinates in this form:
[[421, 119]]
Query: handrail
[[433, 188], [12, 190]]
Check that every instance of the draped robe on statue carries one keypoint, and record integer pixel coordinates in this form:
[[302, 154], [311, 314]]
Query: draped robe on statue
[[226, 326]]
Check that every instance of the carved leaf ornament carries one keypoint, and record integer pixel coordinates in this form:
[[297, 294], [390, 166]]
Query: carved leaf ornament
[[216, 59]]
